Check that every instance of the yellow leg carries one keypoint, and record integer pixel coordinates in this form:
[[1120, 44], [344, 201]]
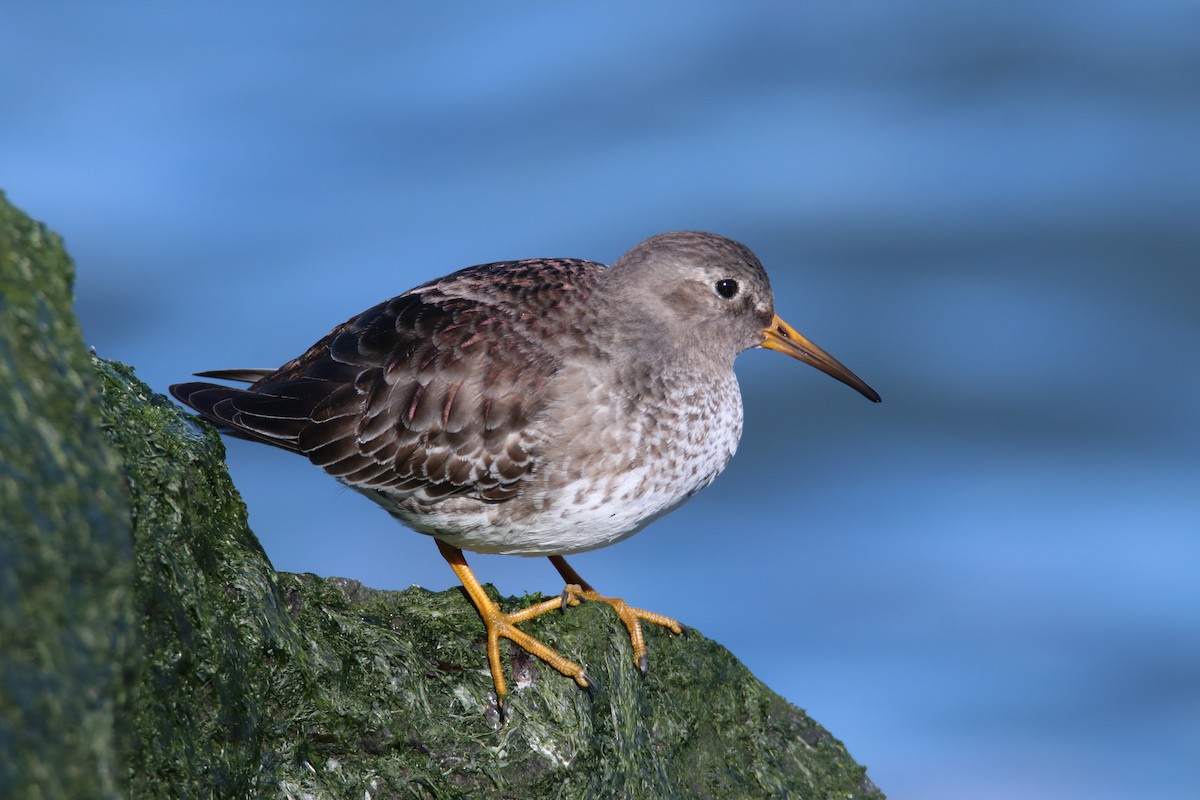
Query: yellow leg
[[578, 589], [500, 625]]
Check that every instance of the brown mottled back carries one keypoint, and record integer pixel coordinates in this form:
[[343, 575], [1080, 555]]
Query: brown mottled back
[[435, 392]]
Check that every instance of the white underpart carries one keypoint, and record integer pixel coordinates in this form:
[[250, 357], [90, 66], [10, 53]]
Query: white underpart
[[620, 489]]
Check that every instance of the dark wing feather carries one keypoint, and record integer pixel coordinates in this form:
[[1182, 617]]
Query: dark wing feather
[[432, 394]]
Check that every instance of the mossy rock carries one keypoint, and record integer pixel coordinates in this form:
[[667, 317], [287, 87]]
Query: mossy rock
[[149, 649]]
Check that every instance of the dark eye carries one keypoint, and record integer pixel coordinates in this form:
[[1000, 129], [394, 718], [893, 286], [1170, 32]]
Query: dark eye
[[727, 287]]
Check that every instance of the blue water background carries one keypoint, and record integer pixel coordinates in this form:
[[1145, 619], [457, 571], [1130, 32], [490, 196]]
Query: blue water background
[[987, 586]]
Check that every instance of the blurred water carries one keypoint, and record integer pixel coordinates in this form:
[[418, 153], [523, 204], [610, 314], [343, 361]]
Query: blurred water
[[987, 586]]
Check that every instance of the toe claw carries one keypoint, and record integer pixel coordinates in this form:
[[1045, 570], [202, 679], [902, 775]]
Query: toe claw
[[501, 709], [643, 664], [588, 685], [570, 596]]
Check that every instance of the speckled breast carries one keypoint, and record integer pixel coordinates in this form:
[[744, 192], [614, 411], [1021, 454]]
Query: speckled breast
[[612, 463]]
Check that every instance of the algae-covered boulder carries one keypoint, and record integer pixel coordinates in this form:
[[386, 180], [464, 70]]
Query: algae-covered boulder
[[148, 648], [67, 616]]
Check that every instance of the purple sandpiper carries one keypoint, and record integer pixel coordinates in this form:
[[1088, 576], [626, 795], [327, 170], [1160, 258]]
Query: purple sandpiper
[[541, 407]]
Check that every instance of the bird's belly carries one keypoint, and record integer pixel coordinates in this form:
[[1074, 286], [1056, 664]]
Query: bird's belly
[[614, 475], [609, 476], [586, 514]]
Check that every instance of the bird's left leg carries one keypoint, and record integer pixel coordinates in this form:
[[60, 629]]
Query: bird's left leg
[[578, 589], [504, 626]]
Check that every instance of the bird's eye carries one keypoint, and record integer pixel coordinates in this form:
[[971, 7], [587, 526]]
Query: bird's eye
[[726, 287]]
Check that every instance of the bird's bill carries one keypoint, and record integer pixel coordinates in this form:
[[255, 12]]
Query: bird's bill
[[785, 339]]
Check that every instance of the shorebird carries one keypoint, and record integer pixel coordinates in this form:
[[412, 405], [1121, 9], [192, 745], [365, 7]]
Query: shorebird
[[541, 407]]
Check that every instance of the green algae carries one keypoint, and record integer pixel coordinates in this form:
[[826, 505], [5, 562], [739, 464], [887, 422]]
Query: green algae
[[167, 658]]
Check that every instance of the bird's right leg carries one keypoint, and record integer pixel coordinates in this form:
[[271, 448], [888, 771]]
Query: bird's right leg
[[578, 589]]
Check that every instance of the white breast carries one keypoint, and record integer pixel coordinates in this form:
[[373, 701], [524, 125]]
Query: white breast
[[618, 464]]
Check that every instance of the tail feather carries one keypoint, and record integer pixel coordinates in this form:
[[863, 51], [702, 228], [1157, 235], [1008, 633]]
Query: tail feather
[[222, 406], [239, 375]]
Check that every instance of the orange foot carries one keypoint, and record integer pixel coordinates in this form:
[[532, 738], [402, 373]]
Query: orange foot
[[504, 626], [578, 589]]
